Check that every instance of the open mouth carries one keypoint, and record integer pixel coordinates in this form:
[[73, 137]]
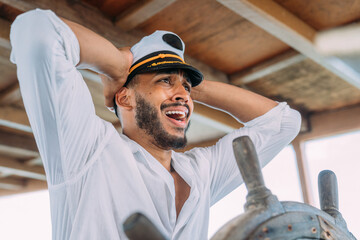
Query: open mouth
[[179, 116]]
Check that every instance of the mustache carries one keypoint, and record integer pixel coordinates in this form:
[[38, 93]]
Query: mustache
[[163, 106]]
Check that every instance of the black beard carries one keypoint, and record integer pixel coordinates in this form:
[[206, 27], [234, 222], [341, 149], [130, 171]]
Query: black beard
[[147, 119]]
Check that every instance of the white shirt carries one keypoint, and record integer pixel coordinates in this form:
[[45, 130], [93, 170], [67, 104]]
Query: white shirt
[[98, 177]]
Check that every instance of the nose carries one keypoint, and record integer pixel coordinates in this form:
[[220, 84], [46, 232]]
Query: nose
[[180, 93]]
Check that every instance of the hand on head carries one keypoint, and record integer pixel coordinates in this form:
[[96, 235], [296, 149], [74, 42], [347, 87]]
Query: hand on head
[[112, 84]]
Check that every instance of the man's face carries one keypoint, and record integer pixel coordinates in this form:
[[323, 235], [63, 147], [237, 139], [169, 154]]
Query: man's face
[[163, 107]]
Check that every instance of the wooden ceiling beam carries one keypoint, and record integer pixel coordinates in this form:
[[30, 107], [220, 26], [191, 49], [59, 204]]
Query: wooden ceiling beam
[[31, 185], [134, 17], [77, 12], [17, 152], [4, 33], [4, 175], [278, 21], [333, 122], [15, 167], [12, 184], [14, 118], [96, 21], [10, 95], [267, 67], [17, 141], [34, 162]]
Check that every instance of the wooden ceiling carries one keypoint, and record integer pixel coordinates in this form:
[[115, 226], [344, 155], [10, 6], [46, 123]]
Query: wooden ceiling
[[265, 46], [323, 14]]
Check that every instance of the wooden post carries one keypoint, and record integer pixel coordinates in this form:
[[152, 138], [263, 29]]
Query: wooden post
[[303, 172]]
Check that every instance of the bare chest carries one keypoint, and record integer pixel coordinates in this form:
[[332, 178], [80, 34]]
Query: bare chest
[[182, 191]]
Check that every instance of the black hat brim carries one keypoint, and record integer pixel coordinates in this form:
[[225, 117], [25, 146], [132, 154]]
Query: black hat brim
[[195, 76], [163, 63]]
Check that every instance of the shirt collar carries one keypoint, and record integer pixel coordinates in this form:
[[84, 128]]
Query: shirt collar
[[134, 146]]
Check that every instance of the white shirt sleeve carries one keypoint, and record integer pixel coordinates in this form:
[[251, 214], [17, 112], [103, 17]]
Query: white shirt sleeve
[[270, 133], [56, 98]]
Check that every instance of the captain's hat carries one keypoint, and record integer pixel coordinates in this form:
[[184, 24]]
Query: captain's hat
[[158, 51]]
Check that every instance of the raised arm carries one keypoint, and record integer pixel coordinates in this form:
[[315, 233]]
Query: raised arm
[[242, 104], [100, 55], [270, 125], [57, 100]]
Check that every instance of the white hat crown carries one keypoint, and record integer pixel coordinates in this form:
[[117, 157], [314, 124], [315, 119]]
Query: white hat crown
[[156, 42]]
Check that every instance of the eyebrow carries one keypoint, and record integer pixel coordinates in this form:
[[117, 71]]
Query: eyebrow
[[175, 71]]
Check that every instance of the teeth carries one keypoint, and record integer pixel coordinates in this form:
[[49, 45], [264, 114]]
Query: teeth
[[176, 112]]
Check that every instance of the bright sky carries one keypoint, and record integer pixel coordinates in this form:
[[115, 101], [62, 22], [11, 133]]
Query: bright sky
[[27, 216]]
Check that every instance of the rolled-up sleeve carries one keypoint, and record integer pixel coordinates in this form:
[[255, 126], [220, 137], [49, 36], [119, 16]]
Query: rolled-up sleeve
[[56, 98], [270, 133]]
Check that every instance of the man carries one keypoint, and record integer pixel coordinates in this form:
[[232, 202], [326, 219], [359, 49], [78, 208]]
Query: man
[[97, 177]]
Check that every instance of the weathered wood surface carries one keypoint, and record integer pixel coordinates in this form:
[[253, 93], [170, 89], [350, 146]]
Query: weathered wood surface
[[215, 35], [322, 14], [140, 13], [290, 29], [309, 86], [338, 121], [113, 8], [19, 168], [267, 67], [31, 186]]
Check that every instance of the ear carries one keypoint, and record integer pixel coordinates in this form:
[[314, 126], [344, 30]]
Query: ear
[[123, 98]]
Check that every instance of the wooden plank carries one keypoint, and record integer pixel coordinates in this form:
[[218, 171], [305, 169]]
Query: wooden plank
[[74, 11], [5, 33], [267, 14], [12, 183], [7, 12], [4, 175], [113, 8], [7, 69], [324, 14], [17, 152], [219, 38], [303, 172], [18, 168], [284, 25], [133, 18], [308, 87], [332, 122], [16, 127], [10, 95], [31, 185], [14, 115], [17, 141], [270, 66], [34, 162]]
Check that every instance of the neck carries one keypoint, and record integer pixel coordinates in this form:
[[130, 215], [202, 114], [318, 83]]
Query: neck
[[163, 156]]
